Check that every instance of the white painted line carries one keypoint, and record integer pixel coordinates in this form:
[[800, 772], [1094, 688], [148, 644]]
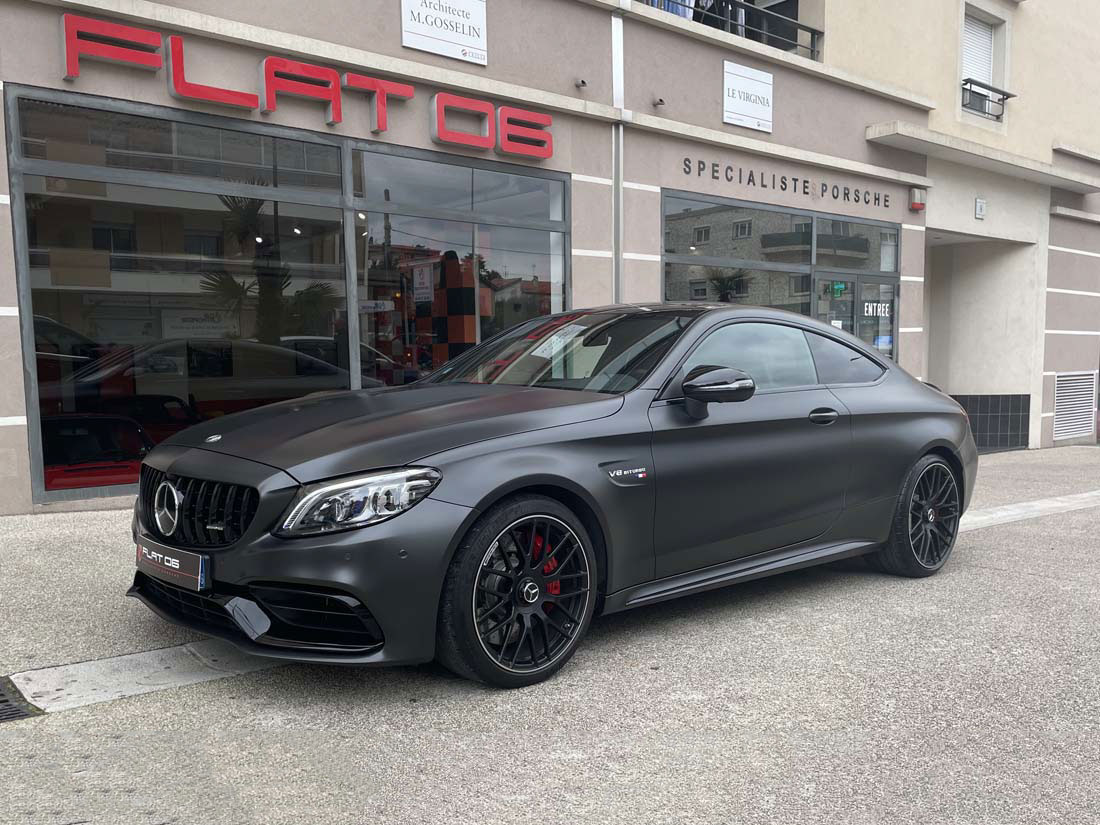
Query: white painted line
[[13, 421], [917, 278], [914, 227], [993, 516], [592, 253], [1073, 292], [911, 329], [643, 187], [592, 179], [640, 256], [5, 199], [1074, 251], [1072, 331], [9, 312], [87, 683], [1046, 415]]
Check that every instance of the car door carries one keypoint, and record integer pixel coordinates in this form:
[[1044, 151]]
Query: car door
[[753, 475]]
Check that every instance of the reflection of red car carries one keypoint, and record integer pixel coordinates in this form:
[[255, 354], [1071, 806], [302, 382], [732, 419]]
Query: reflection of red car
[[92, 450]]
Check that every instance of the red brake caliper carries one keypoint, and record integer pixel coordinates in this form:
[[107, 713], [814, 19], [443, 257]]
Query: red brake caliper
[[554, 587]]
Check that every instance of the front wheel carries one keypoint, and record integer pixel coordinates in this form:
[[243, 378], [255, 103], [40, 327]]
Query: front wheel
[[519, 594], [926, 522]]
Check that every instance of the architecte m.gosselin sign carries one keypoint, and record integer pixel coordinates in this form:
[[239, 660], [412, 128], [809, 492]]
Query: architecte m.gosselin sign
[[452, 28]]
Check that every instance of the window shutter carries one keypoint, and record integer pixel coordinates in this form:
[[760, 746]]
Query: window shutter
[[977, 50], [1074, 404]]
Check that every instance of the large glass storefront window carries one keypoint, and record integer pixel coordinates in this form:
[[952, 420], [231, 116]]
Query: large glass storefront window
[[156, 309], [841, 272], [158, 306]]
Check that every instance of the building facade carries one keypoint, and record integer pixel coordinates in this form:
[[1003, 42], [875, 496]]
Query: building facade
[[213, 208]]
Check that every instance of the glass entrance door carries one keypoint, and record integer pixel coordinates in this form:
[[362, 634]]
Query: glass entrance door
[[834, 301], [863, 305], [876, 311]]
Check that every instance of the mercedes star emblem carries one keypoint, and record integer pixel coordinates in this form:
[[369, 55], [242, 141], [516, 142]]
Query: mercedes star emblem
[[166, 508]]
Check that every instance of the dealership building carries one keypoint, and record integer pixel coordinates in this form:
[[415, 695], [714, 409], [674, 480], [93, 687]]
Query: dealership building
[[207, 207]]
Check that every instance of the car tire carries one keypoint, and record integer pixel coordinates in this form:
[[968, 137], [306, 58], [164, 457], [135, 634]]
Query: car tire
[[519, 594], [926, 521]]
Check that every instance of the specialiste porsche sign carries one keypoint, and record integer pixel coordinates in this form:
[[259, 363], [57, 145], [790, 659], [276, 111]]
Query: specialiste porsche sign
[[454, 120]]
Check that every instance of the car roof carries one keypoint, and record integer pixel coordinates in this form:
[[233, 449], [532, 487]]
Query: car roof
[[715, 311]]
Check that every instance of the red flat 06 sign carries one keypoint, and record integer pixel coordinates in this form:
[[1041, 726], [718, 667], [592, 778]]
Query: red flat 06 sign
[[454, 120]]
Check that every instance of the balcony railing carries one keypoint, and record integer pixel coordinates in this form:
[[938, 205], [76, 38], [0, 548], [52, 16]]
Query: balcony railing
[[983, 99], [748, 21]]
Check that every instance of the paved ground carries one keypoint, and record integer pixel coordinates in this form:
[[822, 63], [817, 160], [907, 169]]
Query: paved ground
[[831, 695]]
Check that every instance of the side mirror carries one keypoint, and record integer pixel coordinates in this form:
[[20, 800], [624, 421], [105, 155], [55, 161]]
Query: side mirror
[[706, 384]]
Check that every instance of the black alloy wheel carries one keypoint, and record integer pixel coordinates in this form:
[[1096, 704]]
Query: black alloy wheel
[[519, 595], [926, 521], [934, 515], [532, 590]]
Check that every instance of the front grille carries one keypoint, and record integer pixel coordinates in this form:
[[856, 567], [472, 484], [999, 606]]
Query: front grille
[[188, 604], [213, 513]]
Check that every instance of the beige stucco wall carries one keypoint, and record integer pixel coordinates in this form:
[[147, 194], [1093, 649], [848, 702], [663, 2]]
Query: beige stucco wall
[[1051, 49]]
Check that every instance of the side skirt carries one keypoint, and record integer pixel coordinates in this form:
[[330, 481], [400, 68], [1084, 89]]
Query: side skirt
[[740, 570]]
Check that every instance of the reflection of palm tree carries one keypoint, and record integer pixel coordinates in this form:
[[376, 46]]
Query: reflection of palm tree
[[309, 311], [243, 222], [727, 286], [230, 292]]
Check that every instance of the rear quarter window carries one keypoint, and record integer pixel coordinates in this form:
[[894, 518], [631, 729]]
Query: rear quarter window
[[840, 364]]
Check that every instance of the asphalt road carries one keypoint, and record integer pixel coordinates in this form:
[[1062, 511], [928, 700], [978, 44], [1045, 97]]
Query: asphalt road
[[831, 695]]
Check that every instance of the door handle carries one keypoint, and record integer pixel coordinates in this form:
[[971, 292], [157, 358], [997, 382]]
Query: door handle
[[824, 416]]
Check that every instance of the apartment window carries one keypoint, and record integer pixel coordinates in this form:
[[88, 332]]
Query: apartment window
[[742, 229], [701, 234], [982, 66], [698, 290], [977, 49]]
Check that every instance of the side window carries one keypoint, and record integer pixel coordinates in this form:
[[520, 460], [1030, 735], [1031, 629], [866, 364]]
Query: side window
[[838, 364], [775, 356]]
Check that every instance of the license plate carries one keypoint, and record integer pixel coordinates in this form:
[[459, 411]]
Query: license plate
[[178, 567]]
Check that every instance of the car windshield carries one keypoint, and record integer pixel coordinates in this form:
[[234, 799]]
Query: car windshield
[[605, 351]]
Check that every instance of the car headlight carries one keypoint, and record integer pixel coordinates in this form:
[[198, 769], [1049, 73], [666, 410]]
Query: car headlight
[[347, 503]]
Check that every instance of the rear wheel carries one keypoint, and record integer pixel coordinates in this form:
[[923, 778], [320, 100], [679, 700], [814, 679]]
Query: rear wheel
[[926, 522], [519, 594]]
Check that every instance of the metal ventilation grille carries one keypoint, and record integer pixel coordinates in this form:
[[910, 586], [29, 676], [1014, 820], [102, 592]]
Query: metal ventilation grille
[[1074, 404], [11, 705]]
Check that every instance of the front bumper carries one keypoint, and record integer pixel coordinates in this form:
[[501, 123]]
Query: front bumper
[[362, 597]]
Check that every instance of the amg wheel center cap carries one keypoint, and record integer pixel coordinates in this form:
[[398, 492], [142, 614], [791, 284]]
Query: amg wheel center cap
[[529, 592], [930, 515]]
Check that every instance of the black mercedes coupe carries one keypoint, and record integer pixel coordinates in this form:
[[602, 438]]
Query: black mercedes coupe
[[577, 464]]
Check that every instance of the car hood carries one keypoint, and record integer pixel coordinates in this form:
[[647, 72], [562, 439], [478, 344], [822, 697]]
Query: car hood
[[332, 434]]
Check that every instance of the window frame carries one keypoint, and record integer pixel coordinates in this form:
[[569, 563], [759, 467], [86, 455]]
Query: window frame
[[878, 362], [345, 200], [673, 389]]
